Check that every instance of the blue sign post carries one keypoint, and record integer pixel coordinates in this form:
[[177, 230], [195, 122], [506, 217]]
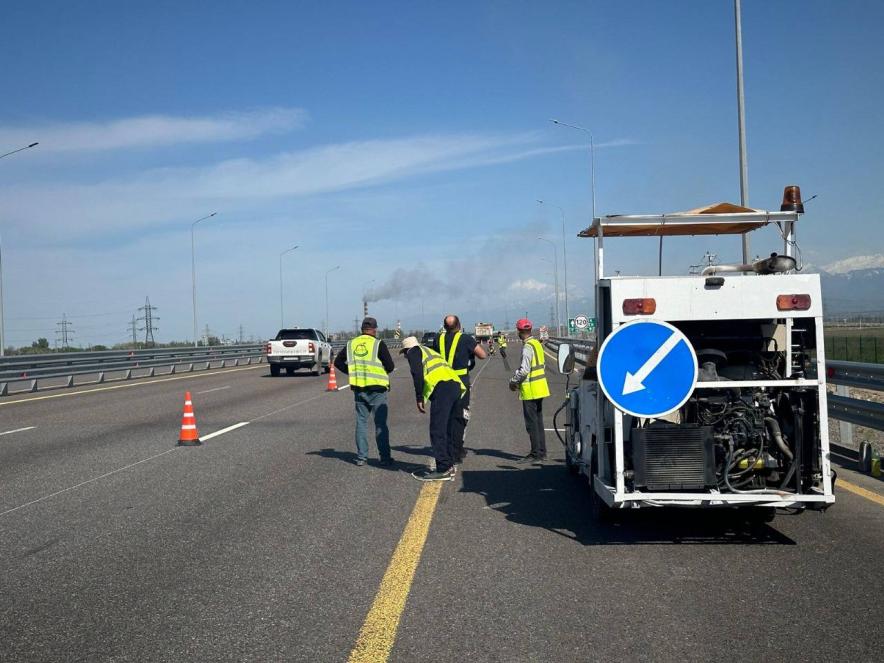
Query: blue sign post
[[647, 368]]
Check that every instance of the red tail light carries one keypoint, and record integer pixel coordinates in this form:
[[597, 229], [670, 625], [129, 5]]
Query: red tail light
[[793, 302], [267, 348], [312, 347], [645, 306]]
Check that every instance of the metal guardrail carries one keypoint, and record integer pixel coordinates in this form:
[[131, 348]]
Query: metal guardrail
[[129, 364], [850, 411], [119, 365]]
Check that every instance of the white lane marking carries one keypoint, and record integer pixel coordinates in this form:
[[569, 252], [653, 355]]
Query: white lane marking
[[126, 467], [346, 386], [224, 430], [209, 391], [107, 474], [18, 430], [288, 407]]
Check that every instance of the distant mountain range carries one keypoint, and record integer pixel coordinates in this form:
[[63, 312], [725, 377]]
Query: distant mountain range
[[852, 285]]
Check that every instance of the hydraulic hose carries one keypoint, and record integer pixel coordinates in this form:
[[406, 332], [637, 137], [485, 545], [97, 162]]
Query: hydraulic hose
[[556, 425], [773, 427]]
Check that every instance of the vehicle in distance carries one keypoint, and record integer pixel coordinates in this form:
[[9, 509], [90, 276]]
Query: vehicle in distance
[[429, 339], [298, 348], [484, 331]]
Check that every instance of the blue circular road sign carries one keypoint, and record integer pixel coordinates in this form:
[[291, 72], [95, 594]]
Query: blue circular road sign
[[647, 368]]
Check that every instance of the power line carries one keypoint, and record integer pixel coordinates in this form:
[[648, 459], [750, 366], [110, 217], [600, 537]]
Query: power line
[[133, 327], [65, 331], [148, 319]]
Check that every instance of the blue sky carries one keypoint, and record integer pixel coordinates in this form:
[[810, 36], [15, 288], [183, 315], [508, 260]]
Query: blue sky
[[407, 136]]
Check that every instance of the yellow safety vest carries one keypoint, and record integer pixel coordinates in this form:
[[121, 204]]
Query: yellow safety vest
[[502, 341], [364, 367], [437, 370], [449, 356], [535, 385]]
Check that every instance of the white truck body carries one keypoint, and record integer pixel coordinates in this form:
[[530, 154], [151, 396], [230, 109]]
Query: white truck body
[[761, 361], [298, 348], [484, 330]]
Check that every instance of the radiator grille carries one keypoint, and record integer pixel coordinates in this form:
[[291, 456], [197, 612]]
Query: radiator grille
[[673, 457]]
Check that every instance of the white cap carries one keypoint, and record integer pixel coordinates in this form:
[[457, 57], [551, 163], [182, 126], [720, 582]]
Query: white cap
[[409, 342]]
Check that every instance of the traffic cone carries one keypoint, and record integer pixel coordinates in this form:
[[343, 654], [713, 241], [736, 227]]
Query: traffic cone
[[189, 436], [332, 380]]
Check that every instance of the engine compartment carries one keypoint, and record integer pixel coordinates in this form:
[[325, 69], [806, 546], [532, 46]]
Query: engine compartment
[[740, 439]]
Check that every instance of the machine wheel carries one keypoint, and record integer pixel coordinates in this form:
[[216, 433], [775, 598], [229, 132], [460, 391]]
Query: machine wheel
[[759, 515], [274, 370], [598, 509], [572, 465]]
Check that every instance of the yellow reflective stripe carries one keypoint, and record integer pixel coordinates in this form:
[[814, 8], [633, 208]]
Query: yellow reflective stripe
[[461, 371]]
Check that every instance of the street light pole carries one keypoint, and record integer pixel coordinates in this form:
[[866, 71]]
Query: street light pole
[[564, 262], [326, 297], [556, 281], [2, 320], [281, 314], [21, 149], [741, 122], [193, 272], [2, 317], [591, 156]]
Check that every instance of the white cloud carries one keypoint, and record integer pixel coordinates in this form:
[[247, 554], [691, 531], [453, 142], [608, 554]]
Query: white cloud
[[530, 286], [124, 205], [154, 130]]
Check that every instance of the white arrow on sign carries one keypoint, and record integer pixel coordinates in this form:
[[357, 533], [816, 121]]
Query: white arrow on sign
[[635, 381]]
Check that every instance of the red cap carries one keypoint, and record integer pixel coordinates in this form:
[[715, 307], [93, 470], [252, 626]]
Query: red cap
[[524, 324]]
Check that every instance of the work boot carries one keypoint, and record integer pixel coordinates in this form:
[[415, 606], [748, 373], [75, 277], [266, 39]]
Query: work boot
[[530, 458], [425, 475], [387, 462], [360, 462]]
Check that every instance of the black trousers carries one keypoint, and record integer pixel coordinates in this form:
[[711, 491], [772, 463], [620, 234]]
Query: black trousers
[[442, 403], [533, 411], [459, 424]]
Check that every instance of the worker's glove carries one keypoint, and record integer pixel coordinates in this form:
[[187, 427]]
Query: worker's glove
[[514, 386], [421, 407]]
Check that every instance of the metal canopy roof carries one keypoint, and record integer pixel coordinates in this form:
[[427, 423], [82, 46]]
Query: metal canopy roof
[[717, 219]]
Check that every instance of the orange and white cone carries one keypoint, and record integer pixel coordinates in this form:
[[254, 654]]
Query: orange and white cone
[[189, 436], [332, 380]]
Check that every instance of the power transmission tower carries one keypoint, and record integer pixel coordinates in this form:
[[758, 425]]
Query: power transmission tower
[[207, 333], [65, 331], [133, 327], [240, 334], [148, 320]]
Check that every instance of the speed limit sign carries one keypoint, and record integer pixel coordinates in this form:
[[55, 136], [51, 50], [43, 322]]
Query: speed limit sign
[[581, 321]]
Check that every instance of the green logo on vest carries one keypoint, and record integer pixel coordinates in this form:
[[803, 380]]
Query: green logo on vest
[[360, 350]]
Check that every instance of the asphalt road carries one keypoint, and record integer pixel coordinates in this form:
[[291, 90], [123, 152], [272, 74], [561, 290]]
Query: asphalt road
[[268, 544]]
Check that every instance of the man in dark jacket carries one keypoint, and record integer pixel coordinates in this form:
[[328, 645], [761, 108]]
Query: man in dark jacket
[[460, 351], [437, 383], [367, 361]]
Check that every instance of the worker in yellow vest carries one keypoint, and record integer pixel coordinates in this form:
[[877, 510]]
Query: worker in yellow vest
[[530, 381], [367, 361], [501, 343], [437, 383], [460, 351]]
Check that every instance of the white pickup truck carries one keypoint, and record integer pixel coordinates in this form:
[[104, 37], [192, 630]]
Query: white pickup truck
[[298, 348]]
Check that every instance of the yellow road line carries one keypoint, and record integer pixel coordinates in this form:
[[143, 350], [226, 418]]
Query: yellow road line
[[139, 383], [862, 492], [378, 633]]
